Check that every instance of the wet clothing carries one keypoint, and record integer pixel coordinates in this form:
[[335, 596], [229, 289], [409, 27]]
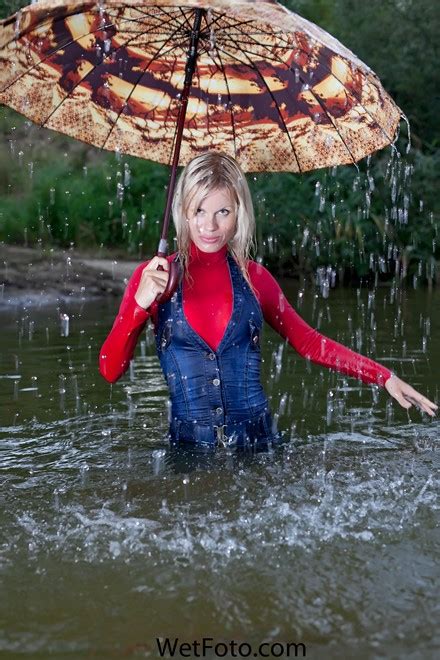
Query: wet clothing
[[216, 396], [205, 319]]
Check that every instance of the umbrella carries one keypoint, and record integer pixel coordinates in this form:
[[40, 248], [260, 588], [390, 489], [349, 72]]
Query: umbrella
[[247, 77]]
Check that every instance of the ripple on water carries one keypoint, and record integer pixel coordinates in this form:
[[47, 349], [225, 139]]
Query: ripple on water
[[110, 501]]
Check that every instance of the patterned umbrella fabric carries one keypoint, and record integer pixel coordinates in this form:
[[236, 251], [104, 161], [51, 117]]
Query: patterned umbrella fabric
[[269, 87]]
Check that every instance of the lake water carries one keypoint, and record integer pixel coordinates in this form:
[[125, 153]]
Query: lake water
[[110, 540]]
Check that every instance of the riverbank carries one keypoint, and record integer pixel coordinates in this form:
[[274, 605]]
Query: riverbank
[[45, 275]]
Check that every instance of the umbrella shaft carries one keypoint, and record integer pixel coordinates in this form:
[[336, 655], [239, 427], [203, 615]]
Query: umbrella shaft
[[189, 71]]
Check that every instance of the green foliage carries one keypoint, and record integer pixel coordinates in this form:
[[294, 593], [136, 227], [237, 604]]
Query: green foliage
[[382, 218], [8, 7], [55, 189]]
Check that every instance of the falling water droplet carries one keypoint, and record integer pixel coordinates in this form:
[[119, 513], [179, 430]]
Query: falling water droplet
[[64, 325]]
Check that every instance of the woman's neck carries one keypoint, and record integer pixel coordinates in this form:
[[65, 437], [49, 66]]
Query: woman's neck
[[198, 256]]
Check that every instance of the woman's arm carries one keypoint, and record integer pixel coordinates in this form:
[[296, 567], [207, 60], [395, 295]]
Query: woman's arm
[[320, 349], [118, 348], [310, 343], [138, 304]]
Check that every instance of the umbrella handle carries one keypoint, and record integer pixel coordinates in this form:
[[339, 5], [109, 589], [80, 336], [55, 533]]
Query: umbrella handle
[[174, 279]]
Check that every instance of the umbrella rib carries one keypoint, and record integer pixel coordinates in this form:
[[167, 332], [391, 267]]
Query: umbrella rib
[[138, 20], [252, 65], [56, 19], [82, 80], [316, 97], [69, 43], [173, 47], [50, 19], [328, 69], [230, 25], [188, 24], [272, 35], [173, 17], [52, 52], [222, 69]]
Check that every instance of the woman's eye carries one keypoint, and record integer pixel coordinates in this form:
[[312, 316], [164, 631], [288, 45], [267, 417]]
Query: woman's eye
[[224, 211]]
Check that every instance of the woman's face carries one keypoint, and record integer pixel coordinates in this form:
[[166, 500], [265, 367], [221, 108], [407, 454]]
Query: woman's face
[[212, 224]]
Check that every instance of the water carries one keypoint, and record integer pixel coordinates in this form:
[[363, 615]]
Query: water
[[109, 539]]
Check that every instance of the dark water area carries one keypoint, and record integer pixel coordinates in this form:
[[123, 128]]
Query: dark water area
[[109, 539]]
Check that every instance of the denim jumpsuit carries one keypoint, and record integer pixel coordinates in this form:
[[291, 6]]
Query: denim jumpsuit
[[216, 396]]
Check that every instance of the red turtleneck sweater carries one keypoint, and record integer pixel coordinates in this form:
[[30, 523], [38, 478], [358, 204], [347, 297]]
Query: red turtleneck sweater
[[207, 304]]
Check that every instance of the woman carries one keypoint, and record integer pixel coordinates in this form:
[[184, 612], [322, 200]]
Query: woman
[[208, 334]]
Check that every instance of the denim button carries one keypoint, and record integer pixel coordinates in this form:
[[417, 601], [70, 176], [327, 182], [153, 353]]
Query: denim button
[[216, 382], [218, 411], [211, 356]]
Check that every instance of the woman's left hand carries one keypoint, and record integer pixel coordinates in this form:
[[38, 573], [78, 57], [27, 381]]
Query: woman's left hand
[[408, 396]]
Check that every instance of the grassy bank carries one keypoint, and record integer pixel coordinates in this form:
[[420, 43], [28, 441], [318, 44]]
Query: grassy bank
[[375, 222], [381, 219]]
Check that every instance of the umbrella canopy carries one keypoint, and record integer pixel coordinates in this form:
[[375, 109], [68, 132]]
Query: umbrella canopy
[[269, 87]]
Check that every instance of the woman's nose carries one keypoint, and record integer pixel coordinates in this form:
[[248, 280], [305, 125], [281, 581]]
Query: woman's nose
[[211, 221]]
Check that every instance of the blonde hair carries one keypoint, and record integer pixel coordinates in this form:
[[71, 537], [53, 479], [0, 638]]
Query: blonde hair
[[211, 171]]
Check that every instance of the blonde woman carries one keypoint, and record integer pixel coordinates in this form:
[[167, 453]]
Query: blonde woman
[[208, 334]]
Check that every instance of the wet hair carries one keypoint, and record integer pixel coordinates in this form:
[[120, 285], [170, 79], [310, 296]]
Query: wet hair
[[204, 174]]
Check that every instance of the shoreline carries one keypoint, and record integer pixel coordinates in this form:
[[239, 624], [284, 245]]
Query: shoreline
[[48, 275]]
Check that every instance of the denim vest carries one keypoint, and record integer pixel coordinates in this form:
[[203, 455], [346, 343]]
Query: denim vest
[[216, 396]]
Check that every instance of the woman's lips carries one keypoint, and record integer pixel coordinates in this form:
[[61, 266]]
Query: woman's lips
[[209, 239]]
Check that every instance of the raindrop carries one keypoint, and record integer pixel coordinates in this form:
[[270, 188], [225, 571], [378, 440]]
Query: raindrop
[[283, 403], [127, 175], [17, 24], [329, 140], [64, 325], [158, 460], [119, 192]]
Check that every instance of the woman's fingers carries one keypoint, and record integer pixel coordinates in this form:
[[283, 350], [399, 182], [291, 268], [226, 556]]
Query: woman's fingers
[[153, 281], [156, 262], [160, 282], [422, 402], [156, 276], [403, 402], [408, 396]]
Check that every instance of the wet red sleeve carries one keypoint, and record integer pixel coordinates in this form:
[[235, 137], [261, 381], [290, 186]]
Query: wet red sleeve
[[309, 343], [118, 348]]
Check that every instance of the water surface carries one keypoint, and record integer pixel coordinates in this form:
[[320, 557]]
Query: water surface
[[110, 539]]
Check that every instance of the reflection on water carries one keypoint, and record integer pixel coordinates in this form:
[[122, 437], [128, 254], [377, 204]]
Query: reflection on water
[[112, 538]]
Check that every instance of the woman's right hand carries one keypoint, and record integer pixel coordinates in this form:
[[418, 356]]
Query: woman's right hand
[[153, 282]]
